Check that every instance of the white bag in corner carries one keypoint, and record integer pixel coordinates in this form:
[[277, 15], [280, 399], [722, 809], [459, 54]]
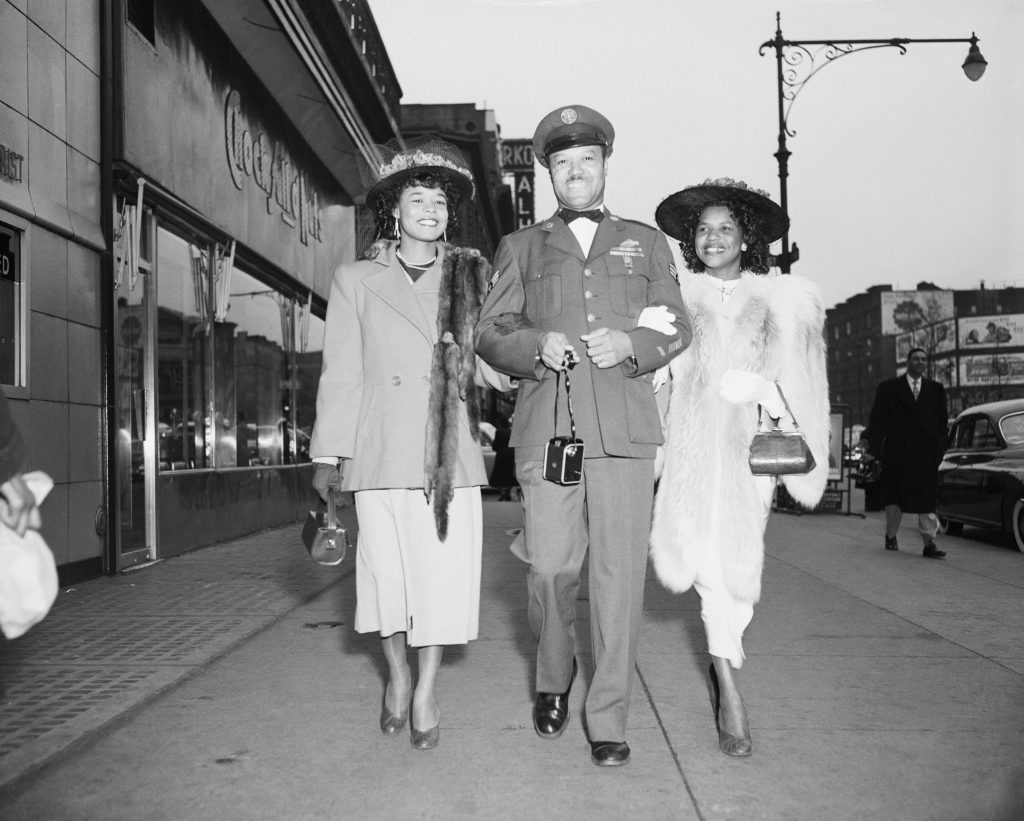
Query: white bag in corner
[[28, 572]]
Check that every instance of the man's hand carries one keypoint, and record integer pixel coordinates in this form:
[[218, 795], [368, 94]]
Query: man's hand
[[607, 347], [555, 351], [326, 477], [18, 508]]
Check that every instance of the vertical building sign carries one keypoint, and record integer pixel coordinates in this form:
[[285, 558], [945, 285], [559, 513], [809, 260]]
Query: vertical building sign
[[517, 160]]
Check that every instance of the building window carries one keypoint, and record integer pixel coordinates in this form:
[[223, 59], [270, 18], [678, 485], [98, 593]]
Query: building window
[[848, 328], [12, 307]]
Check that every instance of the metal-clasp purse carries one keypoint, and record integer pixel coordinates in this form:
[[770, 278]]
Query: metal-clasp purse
[[563, 455], [777, 452], [324, 535]]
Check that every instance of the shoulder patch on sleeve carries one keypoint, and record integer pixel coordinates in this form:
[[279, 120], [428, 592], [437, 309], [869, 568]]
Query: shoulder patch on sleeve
[[493, 280]]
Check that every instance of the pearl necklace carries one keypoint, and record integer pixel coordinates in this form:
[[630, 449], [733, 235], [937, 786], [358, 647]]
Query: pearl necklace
[[421, 266]]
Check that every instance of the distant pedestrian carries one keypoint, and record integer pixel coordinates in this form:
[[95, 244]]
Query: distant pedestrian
[[757, 338], [397, 423], [907, 433]]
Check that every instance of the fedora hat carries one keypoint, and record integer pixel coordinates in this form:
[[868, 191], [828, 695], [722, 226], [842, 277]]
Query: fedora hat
[[674, 211]]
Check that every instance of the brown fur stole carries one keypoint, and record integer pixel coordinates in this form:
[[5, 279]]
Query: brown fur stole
[[464, 275]]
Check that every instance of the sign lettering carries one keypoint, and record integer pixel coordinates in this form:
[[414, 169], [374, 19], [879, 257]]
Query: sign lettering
[[10, 164], [271, 168], [517, 155]]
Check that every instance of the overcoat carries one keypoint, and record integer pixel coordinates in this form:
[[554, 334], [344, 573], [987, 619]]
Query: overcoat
[[543, 282], [371, 406], [909, 437], [707, 499]]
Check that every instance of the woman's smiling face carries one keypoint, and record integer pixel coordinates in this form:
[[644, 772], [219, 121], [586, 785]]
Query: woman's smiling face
[[718, 241], [422, 212]]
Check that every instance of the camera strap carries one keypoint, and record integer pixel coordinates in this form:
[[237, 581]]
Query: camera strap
[[568, 400]]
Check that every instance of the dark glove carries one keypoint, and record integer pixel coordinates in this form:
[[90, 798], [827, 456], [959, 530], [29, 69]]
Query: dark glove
[[326, 477]]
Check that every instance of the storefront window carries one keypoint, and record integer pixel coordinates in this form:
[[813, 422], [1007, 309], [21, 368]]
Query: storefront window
[[11, 308], [252, 394], [183, 328]]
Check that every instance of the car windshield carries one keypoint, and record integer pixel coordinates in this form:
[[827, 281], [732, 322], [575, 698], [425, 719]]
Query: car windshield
[[1013, 428]]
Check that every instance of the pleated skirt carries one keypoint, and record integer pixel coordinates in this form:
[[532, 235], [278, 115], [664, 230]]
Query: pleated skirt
[[409, 580]]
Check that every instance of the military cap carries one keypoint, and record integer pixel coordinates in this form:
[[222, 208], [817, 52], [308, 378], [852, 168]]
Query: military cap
[[568, 126]]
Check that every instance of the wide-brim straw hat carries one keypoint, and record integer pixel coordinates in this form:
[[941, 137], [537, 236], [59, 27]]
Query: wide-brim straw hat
[[676, 209], [426, 155]]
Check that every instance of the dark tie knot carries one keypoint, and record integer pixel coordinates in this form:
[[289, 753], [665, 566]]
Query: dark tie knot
[[567, 214]]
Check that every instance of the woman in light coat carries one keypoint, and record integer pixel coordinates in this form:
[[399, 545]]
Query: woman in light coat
[[756, 338], [397, 423]]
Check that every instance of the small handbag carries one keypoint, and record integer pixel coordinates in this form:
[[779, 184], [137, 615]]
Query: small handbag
[[777, 452], [324, 535], [563, 455]]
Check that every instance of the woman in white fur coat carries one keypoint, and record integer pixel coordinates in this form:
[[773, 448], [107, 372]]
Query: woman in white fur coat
[[753, 333]]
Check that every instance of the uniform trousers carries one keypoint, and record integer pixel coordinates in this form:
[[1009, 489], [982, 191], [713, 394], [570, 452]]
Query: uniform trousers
[[726, 617], [609, 512]]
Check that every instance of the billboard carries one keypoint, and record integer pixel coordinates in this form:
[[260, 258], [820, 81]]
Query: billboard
[[1002, 329], [936, 338], [992, 369], [904, 311]]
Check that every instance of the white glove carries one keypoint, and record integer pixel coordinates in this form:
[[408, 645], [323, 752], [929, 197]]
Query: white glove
[[657, 318], [660, 377], [746, 386]]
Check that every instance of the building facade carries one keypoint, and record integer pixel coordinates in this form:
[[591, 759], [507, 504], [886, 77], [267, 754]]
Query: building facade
[[178, 180]]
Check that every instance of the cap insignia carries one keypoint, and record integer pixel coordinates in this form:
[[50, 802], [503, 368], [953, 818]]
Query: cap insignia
[[569, 116]]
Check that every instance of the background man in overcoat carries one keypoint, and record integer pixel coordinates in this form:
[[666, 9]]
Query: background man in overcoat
[[570, 290], [907, 432]]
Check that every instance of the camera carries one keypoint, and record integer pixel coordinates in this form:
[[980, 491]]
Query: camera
[[563, 460]]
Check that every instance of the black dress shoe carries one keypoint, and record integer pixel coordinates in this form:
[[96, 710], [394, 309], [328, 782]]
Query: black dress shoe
[[551, 710], [609, 753], [891, 544], [932, 552]]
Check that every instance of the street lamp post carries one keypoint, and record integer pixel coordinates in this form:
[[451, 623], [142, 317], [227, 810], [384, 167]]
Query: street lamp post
[[796, 64]]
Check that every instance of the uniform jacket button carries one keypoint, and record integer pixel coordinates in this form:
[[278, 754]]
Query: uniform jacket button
[[591, 317], [396, 381], [587, 272]]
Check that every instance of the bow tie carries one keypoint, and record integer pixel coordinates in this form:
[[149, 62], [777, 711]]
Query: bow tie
[[567, 214]]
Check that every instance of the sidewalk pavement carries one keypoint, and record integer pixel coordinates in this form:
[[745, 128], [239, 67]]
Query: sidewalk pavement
[[228, 684]]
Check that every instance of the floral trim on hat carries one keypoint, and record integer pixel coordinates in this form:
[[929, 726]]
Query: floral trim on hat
[[416, 159], [729, 182]]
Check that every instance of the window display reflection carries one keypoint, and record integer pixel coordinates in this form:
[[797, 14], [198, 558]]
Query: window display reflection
[[183, 321], [251, 391]]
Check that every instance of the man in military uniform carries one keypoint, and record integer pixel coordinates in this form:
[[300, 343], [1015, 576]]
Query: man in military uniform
[[562, 314]]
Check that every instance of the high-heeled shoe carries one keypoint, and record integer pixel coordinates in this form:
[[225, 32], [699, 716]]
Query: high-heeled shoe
[[391, 723], [737, 746], [426, 739]]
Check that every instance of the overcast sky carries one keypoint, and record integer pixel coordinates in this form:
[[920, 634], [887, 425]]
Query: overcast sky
[[901, 170]]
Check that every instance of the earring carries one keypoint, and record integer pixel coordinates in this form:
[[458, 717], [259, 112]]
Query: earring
[[444, 236], [398, 229], [743, 246]]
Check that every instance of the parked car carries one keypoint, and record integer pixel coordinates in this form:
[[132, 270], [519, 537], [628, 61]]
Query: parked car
[[981, 478]]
